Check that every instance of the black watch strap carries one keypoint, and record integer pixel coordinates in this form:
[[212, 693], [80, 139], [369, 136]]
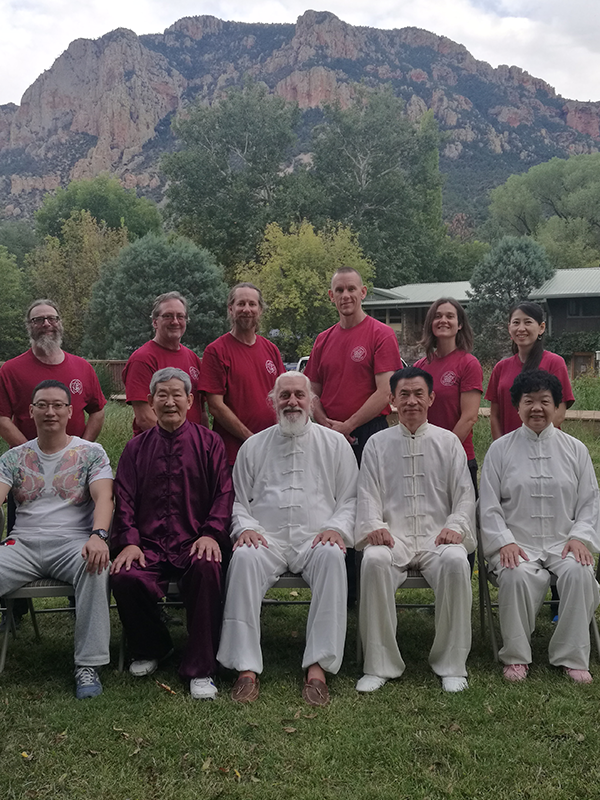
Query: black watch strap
[[101, 533]]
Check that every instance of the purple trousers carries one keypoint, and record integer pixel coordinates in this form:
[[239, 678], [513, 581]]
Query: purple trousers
[[137, 593]]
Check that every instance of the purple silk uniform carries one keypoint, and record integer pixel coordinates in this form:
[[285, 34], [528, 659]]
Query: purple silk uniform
[[170, 489]]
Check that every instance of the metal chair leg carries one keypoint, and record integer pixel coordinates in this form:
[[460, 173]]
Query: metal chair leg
[[33, 616]]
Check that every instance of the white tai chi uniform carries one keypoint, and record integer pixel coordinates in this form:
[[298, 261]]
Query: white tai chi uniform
[[289, 488], [413, 485], [539, 491]]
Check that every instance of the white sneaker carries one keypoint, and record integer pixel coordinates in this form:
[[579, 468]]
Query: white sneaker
[[454, 684], [203, 689], [143, 667], [370, 683]]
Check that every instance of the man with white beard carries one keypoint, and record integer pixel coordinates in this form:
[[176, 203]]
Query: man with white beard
[[295, 487]]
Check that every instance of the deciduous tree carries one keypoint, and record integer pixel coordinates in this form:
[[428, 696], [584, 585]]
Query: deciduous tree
[[107, 201], [65, 268], [558, 204], [13, 338], [118, 319], [293, 271], [225, 180], [380, 175]]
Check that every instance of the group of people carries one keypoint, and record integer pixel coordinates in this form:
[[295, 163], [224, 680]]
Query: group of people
[[317, 473]]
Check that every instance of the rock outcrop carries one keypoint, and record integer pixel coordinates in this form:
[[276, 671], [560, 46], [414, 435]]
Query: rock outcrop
[[106, 105]]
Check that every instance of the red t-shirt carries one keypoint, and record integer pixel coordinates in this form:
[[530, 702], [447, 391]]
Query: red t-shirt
[[503, 376], [149, 358], [345, 361], [20, 376], [244, 375], [454, 374]]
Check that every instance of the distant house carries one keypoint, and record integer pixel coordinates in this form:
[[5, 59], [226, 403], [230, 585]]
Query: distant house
[[571, 300]]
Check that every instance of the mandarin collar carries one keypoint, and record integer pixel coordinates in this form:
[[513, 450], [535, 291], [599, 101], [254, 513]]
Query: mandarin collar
[[177, 432], [545, 434], [421, 430]]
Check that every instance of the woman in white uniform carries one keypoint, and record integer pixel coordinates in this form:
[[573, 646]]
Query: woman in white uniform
[[539, 516]]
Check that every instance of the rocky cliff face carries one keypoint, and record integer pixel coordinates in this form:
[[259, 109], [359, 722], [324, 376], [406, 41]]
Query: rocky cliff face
[[106, 105]]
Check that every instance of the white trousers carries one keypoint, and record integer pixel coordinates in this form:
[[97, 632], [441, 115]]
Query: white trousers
[[521, 592], [448, 574], [33, 557], [252, 572]]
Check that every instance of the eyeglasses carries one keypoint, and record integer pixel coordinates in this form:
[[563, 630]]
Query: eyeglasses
[[52, 319], [44, 406], [171, 317]]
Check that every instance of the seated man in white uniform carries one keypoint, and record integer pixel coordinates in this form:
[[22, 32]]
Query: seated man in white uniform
[[539, 516], [295, 504], [62, 487], [415, 509]]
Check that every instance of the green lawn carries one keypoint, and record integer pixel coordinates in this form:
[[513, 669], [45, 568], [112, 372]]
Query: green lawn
[[536, 741]]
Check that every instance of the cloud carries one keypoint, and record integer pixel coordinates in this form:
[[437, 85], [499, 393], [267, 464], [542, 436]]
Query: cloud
[[557, 42]]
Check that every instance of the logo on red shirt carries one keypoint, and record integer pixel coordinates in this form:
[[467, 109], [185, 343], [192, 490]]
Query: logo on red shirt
[[270, 366], [194, 373], [359, 353], [449, 379], [76, 386]]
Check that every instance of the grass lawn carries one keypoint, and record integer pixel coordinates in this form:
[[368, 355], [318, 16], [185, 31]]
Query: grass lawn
[[539, 740]]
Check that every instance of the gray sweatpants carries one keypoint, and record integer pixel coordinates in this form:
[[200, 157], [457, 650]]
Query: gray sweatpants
[[49, 556]]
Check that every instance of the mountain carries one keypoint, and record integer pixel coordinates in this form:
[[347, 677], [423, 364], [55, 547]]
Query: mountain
[[107, 104]]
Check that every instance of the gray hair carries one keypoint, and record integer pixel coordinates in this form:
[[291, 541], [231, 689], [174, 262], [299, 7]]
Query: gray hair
[[43, 301], [162, 298], [293, 373], [169, 374]]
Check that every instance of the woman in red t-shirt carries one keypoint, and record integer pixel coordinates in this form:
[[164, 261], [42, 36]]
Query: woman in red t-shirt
[[457, 374], [526, 329]]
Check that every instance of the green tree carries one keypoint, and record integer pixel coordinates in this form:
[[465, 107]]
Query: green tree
[[508, 273], [225, 180], [380, 175], [19, 239], [65, 268], [558, 204], [293, 271], [107, 201], [118, 319], [13, 338]]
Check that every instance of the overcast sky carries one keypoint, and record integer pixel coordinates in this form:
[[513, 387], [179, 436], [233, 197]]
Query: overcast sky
[[554, 40]]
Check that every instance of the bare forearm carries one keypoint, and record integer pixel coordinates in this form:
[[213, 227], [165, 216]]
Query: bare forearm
[[101, 492], [228, 420], [469, 410], [10, 433], [371, 408], [144, 416], [495, 421], [319, 413], [559, 415], [93, 426]]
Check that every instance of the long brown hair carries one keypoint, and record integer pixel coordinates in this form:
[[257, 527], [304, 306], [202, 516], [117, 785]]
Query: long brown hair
[[464, 336], [536, 312]]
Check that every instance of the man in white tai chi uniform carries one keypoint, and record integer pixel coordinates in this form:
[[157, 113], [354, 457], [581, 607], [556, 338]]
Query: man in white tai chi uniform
[[539, 515], [295, 487], [415, 509]]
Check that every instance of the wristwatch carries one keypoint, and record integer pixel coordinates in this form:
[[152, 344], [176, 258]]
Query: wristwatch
[[101, 533]]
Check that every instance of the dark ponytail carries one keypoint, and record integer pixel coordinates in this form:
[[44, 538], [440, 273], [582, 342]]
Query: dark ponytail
[[536, 312]]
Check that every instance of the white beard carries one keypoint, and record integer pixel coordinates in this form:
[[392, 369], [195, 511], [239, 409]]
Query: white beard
[[292, 424]]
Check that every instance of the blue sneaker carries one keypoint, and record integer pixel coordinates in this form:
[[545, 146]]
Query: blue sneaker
[[87, 683]]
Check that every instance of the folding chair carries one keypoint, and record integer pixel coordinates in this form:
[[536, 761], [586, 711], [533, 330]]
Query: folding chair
[[44, 587], [288, 580], [486, 606]]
